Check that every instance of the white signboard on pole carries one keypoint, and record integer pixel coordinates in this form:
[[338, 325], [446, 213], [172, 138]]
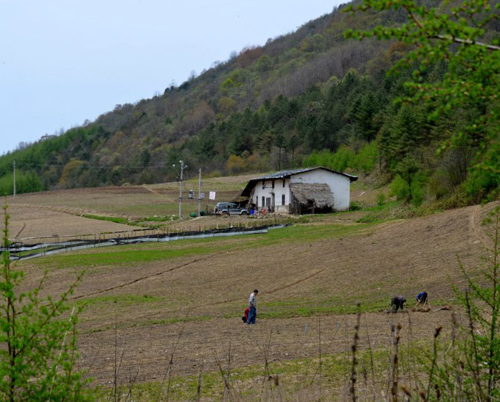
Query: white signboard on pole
[[212, 195]]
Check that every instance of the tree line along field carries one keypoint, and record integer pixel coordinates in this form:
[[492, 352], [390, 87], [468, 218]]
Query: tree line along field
[[147, 305]]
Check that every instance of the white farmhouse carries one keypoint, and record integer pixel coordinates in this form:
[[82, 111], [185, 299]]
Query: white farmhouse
[[308, 190]]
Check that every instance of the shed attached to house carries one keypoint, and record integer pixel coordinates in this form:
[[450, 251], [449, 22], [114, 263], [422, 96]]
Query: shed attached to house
[[300, 191]]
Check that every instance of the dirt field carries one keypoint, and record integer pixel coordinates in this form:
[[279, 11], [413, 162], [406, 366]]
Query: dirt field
[[134, 202], [31, 221], [191, 294], [146, 304], [61, 213]]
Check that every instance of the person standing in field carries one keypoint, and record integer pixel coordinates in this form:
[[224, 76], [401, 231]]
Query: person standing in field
[[252, 315]]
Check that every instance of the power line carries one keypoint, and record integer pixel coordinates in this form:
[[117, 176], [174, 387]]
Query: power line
[[91, 165]]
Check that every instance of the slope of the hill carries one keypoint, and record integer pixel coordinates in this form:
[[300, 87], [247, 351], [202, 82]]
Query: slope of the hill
[[139, 142], [307, 98]]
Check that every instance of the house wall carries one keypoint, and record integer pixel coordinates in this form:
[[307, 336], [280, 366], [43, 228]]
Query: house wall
[[339, 185], [278, 191]]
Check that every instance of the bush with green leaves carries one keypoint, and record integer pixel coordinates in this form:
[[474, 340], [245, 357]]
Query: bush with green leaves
[[381, 198], [37, 340], [453, 52], [399, 188], [346, 158], [28, 182]]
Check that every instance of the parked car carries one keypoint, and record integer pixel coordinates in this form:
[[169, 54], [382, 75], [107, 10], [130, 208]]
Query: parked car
[[229, 208]]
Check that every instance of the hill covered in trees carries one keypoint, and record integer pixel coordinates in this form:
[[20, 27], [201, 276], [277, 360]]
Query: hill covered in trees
[[308, 98]]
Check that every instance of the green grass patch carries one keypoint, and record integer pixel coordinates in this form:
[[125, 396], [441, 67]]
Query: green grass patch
[[133, 255], [120, 256], [294, 375], [309, 311], [305, 233], [123, 221], [174, 320], [380, 213], [281, 309]]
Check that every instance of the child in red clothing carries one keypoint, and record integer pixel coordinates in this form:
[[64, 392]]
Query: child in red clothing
[[244, 318]]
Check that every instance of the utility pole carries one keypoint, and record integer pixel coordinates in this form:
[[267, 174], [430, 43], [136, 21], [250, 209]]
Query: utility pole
[[183, 167], [199, 194], [14, 191]]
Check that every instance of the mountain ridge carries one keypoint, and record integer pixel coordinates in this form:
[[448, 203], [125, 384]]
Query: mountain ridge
[[306, 98]]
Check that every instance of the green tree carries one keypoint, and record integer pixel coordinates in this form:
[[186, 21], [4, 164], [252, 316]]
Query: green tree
[[38, 340], [292, 144], [470, 80], [469, 367], [407, 169], [280, 143]]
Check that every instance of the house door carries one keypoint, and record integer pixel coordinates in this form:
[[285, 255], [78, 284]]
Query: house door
[[268, 202]]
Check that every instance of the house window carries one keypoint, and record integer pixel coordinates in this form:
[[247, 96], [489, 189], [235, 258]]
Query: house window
[[256, 201], [273, 183], [284, 182], [263, 201], [263, 184], [282, 199]]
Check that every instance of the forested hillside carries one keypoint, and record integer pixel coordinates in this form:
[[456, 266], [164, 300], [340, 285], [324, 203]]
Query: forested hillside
[[308, 98]]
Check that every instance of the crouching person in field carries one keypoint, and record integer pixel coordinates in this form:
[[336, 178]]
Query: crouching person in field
[[421, 299], [244, 317], [397, 303]]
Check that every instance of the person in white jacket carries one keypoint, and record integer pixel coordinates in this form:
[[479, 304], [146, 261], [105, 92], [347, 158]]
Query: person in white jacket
[[253, 307]]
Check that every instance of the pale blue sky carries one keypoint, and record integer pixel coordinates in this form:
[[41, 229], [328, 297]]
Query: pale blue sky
[[64, 61]]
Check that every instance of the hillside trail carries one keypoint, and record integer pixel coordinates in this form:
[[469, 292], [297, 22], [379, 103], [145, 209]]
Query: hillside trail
[[476, 223]]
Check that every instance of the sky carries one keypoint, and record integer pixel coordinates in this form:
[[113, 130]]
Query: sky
[[65, 61]]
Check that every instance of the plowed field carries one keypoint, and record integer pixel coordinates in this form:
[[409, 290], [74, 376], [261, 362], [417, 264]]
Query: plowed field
[[148, 302]]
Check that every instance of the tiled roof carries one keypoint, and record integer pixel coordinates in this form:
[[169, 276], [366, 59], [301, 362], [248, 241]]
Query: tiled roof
[[287, 173]]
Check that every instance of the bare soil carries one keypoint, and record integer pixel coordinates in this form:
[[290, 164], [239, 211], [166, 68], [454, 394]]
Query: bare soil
[[146, 352], [133, 202], [29, 221]]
